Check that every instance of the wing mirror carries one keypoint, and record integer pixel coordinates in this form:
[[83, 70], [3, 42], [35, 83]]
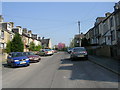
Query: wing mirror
[[9, 56]]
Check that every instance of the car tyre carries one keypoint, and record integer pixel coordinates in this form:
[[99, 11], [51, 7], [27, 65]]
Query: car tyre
[[86, 58], [72, 59], [12, 65], [8, 64]]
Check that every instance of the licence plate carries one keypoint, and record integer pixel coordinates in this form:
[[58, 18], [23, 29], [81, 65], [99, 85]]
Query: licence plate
[[36, 59], [81, 56], [23, 62]]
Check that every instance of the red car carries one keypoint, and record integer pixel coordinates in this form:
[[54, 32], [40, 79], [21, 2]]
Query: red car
[[32, 57]]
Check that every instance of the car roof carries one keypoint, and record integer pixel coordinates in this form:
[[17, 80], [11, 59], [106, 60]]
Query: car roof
[[15, 52], [79, 47], [25, 52]]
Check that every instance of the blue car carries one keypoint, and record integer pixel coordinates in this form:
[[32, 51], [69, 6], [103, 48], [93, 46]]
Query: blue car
[[15, 59]]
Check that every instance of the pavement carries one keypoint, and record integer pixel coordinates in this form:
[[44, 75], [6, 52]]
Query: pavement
[[2, 57], [108, 63], [59, 71]]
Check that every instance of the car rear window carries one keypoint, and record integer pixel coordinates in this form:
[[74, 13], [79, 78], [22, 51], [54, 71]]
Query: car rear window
[[79, 49], [47, 50], [30, 53]]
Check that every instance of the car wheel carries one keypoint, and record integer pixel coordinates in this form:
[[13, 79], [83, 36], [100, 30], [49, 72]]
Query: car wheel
[[8, 64], [27, 65], [12, 65], [71, 58], [86, 58], [36, 61]]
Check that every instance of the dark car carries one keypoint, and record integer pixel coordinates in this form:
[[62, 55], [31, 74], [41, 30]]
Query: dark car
[[32, 57], [69, 50], [17, 59], [78, 52]]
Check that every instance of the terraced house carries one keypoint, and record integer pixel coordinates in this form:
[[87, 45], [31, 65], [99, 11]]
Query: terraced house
[[106, 34], [7, 32]]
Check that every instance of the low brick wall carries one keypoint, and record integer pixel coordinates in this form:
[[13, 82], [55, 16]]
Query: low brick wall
[[115, 52], [99, 50], [3, 57], [104, 51]]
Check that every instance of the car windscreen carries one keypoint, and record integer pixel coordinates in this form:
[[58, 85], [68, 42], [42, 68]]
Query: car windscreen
[[70, 48], [30, 53], [17, 54], [79, 49], [47, 49]]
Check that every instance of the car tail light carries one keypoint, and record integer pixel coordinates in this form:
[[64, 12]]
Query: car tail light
[[85, 52], [74, 52]]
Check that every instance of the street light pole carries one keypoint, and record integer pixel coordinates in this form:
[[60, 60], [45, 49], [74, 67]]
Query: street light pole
[[79, 33]]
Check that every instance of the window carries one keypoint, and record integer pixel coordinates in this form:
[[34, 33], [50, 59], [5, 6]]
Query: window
[[113, 35], [0, 25], [108, 37], [11, 36], [111, 22], [2, 34], [2, 46]]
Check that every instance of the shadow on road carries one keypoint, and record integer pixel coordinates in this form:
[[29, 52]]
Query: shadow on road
[[85, 70], [6, 66]]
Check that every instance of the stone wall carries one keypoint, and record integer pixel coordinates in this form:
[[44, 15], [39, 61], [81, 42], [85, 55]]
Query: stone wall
[[105, 51], [99, 51]]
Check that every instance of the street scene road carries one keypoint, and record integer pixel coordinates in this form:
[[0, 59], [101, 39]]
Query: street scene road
[[59, 45], [58, 71]]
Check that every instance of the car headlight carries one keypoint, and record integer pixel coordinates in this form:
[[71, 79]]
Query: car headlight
[[16, 60], [12, 60], [27, 59]]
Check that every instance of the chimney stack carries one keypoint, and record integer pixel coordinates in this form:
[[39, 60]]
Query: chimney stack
[[107, 14]]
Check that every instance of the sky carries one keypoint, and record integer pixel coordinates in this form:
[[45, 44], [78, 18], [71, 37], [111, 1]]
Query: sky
[[55, 20]]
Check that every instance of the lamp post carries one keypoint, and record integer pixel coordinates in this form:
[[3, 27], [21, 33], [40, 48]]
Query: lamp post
[[79, 33]]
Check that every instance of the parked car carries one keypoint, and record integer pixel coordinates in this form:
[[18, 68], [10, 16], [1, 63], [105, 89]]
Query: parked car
[[55, 51], [79, 52], [45, 52], [32, 57], [69, 50], [17, 59]]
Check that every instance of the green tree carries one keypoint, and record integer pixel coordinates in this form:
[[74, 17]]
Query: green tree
[[8, 47], [37, 48], [17, 44], [32, 46]]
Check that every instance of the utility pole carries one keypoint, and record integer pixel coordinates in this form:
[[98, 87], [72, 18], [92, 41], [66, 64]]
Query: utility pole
[[79, 33]]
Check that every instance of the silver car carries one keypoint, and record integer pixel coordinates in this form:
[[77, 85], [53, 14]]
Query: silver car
[[78, 52]]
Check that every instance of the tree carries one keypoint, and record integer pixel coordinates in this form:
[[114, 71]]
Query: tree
[[85, 42], [8, 47], [32, 46], [37, 48], [17, 44]]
